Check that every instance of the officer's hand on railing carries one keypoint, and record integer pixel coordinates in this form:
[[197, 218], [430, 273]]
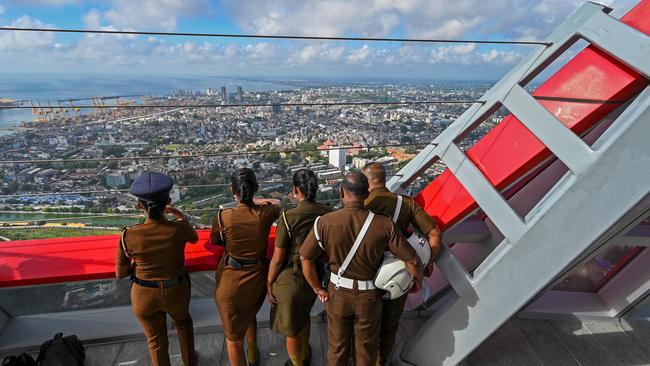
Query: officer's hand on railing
[[269, 294], [322, 294], [175, 212]]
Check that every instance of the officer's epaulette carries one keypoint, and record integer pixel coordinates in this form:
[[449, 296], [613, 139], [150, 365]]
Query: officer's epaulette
[[283, 217], [125, 249], [124, 228]]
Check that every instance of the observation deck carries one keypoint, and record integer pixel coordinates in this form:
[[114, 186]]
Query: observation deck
[[545, 220]]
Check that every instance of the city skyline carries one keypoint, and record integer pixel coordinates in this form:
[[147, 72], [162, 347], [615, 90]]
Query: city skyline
[[63, 53]]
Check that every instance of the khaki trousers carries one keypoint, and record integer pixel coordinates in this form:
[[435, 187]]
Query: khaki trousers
[[151, 306], [390, 315], [352, 315]]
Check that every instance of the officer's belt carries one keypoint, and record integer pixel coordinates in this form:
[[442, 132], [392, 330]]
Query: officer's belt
[[237, 263], [156, 284], [349, 283]]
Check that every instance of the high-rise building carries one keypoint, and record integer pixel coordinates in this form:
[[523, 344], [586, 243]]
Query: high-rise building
[[240, 94], [276, 108], [337, 157], [224, 94]]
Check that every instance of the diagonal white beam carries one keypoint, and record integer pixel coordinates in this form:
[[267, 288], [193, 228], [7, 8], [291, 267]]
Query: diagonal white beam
[[619, 40], [487, 197], [565, 144]]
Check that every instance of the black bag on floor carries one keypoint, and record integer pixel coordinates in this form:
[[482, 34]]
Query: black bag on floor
[[62, 351], [21, 360]]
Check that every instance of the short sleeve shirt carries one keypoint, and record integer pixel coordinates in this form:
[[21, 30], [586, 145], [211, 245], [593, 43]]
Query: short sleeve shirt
[[300, 220], [384, 201], [339, 230], [157, 248], [246, 229]]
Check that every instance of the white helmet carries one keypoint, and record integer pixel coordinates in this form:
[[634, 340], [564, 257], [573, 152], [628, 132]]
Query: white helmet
[[393, 277]]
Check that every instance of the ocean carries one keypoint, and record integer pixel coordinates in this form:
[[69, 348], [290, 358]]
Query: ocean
[[48, 87]]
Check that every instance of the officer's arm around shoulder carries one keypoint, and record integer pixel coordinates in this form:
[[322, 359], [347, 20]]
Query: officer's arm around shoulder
[[270, 208], [397, 244], [420, 218]]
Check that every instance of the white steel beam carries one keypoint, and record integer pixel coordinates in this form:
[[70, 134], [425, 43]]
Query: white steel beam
[[571, 222], [565, 144], [619, 40]]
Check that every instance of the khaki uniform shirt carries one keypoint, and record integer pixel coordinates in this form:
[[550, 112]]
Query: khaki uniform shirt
[[382, 200], [157, 248], [300, 221], [339, 230], [245, 229]]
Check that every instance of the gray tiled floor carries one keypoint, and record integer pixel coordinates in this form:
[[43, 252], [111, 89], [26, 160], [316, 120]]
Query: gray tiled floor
[[518, 342]]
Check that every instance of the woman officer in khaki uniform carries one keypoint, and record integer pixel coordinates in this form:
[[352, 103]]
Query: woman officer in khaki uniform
[[241, 273], [153, 255], [291, 296]]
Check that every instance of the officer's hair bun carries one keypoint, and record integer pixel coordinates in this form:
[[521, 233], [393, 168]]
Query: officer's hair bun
[[244, 184], [307, 182], [155, 209]]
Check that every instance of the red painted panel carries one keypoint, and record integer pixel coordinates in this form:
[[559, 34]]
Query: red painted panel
[[37, 262], [510, 150]]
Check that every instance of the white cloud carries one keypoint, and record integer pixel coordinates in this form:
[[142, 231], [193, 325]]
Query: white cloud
[[361, 55], [524, 19], [421, 18], [2, 9], [16, 41], [146, 14], [521, 19], [47, 2]]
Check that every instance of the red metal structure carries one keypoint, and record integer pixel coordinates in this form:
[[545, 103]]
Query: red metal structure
[[40, 262], [509, 150]]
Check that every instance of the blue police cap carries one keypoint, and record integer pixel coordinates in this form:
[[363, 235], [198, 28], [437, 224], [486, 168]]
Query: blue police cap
[[151, 186]]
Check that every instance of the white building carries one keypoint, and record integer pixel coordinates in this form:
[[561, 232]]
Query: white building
[[337, 157], [175, 194]]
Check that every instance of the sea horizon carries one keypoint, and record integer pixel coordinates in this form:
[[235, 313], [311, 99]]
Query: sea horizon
[[52, 87]]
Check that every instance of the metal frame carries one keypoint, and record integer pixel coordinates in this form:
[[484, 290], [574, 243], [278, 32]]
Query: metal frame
[[540, 246]]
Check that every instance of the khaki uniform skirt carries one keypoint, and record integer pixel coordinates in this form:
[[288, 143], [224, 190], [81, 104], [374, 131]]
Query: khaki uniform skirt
[[295, 299], [239, 296]]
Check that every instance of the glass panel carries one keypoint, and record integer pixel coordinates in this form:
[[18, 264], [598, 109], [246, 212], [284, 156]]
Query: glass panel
[[593, 275], [84, 295]]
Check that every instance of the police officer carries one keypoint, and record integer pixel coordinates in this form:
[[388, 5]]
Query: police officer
[[405, 211], [355, 240], [290, 295], [242, 271], [152, 254]]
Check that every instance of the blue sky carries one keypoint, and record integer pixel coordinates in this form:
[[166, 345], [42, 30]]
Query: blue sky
[[496, 19]]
